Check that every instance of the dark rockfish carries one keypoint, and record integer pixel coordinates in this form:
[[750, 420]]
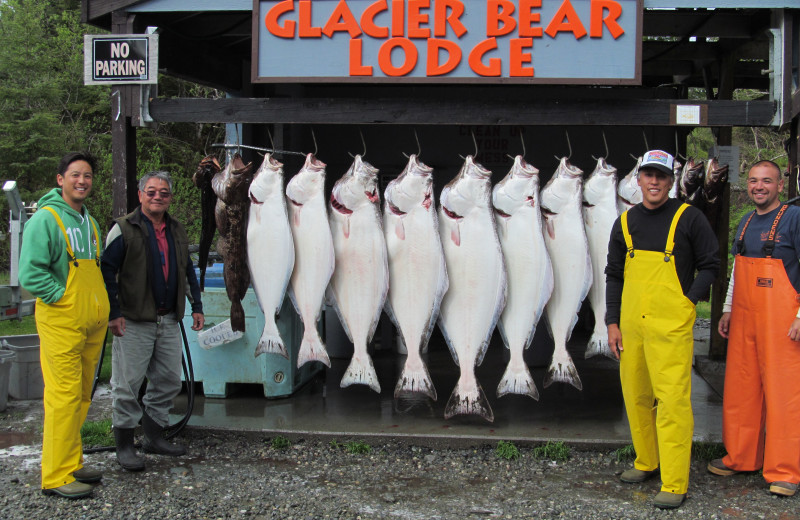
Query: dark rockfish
[[713, 186], [206, 170], [691, 179], [231, 186]]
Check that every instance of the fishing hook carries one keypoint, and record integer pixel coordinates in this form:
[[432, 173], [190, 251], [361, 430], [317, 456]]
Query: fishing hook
[[569, 145], [605, 142], [314, 138]]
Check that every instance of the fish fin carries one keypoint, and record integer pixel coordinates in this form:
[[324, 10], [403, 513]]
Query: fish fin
[[599, 345], [330, 297], [473, 402], [518, 380], [455, 234], [346, 226], [312, 349], [551, 229], [361, 371], [293, 299], [400, 229], [271, 343], [447, 340], [562, 372], [237, 317], [387, 308], [415, 380]]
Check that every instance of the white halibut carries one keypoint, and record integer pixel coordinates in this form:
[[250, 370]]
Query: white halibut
[[530, 274], [629, 193], [562, 205], [270, 250], [360, 281], [417, 271], [477, 294], [599, 214], [313, 254]]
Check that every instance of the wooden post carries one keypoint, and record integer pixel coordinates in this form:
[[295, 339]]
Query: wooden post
[[123, 135], [719, 346]]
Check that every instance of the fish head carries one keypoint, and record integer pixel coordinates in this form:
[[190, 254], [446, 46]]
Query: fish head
[[411, 189], [268, 180], [357, 188], [563, 189], [601, 184], [628, 190], [519, 188], [308, 182], [205, 171], [715, 171], [469, 190]]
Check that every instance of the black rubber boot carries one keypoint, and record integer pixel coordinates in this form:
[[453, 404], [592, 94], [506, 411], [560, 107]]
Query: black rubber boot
[[154, 441], [126, 453]]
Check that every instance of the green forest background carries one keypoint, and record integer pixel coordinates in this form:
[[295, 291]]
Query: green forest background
[[47, 111]]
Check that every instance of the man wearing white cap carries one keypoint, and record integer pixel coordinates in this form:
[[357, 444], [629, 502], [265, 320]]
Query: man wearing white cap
[[651, 292]]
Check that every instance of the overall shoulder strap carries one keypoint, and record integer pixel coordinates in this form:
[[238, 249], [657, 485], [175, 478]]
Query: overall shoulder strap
[[626, 233], [60, 223], [671, 237]]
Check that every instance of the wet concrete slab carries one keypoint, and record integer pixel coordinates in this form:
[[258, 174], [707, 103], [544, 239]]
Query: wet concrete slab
[[594, 415]]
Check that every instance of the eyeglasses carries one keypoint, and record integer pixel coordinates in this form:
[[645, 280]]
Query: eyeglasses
[[164, 194]]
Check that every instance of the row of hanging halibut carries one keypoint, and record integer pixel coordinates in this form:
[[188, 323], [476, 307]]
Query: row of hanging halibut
[[487, 258]]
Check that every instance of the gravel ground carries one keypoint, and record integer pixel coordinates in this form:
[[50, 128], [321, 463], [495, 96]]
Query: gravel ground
[[241, 475]]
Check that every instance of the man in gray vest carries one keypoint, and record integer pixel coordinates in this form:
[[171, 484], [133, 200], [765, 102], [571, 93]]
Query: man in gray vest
[[148, 275]]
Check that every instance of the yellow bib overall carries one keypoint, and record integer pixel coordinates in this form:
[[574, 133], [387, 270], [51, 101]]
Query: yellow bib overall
[[656, 322], [71, 334]]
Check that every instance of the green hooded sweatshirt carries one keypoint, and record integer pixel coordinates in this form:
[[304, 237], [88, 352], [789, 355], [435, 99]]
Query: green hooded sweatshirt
[[43, 260]]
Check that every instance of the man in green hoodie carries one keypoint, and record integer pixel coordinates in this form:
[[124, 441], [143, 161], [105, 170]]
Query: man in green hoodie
[[60, 265]]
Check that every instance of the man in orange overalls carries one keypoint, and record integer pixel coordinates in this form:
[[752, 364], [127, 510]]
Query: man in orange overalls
[[651, 292], [761, 403]]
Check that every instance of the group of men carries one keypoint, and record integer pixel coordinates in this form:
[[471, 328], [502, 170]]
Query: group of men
[[662, 258], [137, 288]]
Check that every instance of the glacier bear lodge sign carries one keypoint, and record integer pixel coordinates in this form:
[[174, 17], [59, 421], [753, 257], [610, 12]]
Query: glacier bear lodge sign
[[448, 41]]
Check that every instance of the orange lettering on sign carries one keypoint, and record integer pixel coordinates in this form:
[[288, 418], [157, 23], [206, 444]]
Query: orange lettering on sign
[[305, 29], [527, 18], [572, 24], [356, 52], [342, 20], [453, 51], [273, 15], [416, 19], [519, 58], [410, 56], [398, 17], [476, 56], [368, 20], [442, 19], [500, 17], [610, 20]]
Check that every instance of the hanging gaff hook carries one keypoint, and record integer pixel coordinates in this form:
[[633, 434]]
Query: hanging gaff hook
[[419, 147], [605, 142], [569, 145], [644, 136], [521, 140], [475, 142], [314, 138]]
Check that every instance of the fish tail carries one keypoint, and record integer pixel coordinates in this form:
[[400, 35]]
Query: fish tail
[[517, 380], [361, 371], [562, 371], [471, 402], [271, 343], [415, 380], [312, 349], [598, 345], [237, 316]]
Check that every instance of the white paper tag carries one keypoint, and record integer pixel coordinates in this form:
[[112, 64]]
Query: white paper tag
[[218, 335]]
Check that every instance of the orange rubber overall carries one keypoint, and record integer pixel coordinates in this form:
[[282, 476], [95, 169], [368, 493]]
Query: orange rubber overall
[[761, 404], [71, 333], [656, 323]]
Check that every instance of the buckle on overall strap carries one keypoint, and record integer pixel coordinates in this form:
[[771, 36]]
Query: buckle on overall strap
[[769, 248], [630, 252], [667, 255]]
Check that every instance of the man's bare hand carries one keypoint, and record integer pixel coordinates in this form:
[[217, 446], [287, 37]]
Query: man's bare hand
[[615, 339], [117, 326]]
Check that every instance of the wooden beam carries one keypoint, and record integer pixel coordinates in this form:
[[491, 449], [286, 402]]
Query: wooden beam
[[94, 9], [460, 111]]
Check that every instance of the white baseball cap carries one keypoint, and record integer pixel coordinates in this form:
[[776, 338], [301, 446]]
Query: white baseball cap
[[659, 160]]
